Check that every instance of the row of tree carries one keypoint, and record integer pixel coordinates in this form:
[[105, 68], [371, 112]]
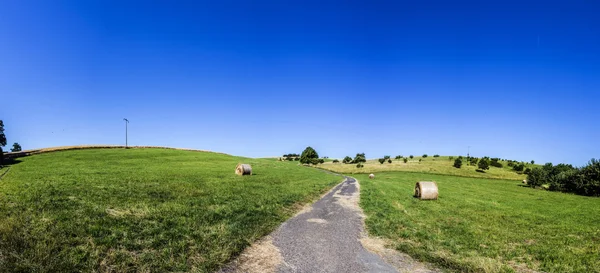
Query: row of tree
[[566, 178]]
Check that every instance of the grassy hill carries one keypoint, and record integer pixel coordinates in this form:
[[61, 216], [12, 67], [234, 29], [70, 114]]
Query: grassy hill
[[143, 209], [484, 225], [439, 165]]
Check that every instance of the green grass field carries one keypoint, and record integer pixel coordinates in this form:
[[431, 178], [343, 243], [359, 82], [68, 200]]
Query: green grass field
[[484, 225], [439, 165], [139, 210]]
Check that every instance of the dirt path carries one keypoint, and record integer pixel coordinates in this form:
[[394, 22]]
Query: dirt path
[[326, 237]]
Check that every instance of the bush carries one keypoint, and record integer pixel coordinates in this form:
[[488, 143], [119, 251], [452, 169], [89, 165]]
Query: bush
[[398, 157], [386, 157], [308, 155], [424, 155], [473, 161], [532, 162], [321, 161], [296, 159], [420, 159], [519, 167], [527, 171], [411, 156], [460, 157], [389, 161], [436, 155], [496, 163], [359, 165], [483, 164], [405, 160], [359, 158], [382, 160], [336, 161], [451, 158], [537, 177], [511, 164], [457, 163], [347, 160]]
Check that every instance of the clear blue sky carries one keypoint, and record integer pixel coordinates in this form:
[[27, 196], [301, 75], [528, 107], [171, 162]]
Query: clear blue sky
[[510, 79]]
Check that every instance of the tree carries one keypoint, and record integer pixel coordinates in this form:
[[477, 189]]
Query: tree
[[336, 161], [424, 155], [483, 164], [399, 157], [16, 147], [359, 158], [537, 177], [386, 157], [405, 160], [2, 142], [457, 163], [308, 155], [347, 160], [532, 162], [412, 156], [389, 161], [436, 155], [382, 160]]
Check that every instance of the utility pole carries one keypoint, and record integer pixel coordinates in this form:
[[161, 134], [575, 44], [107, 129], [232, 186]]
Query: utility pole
[[126, 122]]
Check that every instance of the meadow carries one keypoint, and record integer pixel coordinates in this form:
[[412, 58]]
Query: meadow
[[484, 225], [434, 165], [140, 210]]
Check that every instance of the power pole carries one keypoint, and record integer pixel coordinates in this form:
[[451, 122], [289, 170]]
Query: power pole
[[126, 122]]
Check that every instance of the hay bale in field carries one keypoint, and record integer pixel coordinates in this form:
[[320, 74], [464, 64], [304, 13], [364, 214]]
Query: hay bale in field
[[426, 190], [524, 181], [243, 169], [371, 176]]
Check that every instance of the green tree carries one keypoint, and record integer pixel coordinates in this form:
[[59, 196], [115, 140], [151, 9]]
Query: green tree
[[424, 155], [347, 160], [2, 142], [532, 162], [386, 157], [382, 160], [483, 164], [389, 161], [412, 156], [457, 163], [359, 158], [16, 147], [405, 160], [537, 177], [308, 155]]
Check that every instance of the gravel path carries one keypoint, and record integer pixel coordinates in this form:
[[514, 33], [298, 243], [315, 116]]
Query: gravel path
[[324, 238]]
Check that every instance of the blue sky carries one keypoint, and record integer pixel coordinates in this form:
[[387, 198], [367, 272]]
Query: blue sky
[[510, 79]]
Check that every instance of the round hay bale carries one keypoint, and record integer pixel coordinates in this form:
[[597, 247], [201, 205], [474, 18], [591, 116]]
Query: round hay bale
[[524, 181], [243, 169], [371, 176], [426, 190]]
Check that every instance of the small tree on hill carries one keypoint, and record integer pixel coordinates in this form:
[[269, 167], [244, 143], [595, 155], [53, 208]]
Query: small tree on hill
[[381, 160], [412, 156], [336, 161], [2, 142], [347, 160], [389, 161], [16, 147], [532, 162], [398, 157], [483, 164], [308, 155], [424, 155], [359, 158], [405, 160], [386, 157], [457, 163]]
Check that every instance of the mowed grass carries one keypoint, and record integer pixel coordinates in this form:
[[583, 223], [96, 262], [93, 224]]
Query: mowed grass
[[484, 225], [143, 210], [439, 165]]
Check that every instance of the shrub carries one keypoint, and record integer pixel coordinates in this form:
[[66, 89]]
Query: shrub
[[382, 160], [386, 157], [519, 167], [527, 171], [359, 158], [451, 158], [321, 161], [457, 163], [460, 157], [289, 158], [405, 160], [308, 155], [420, 159], [532, 162], [483, 164], [473, 161], [495, 163], [315, 161], [411, 156], [436, 155], [398, 157], [537, 177], [510, 164], [359, 165], [424, 155], [389, 161], [336, 161], [296, 159], [347, 160]]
